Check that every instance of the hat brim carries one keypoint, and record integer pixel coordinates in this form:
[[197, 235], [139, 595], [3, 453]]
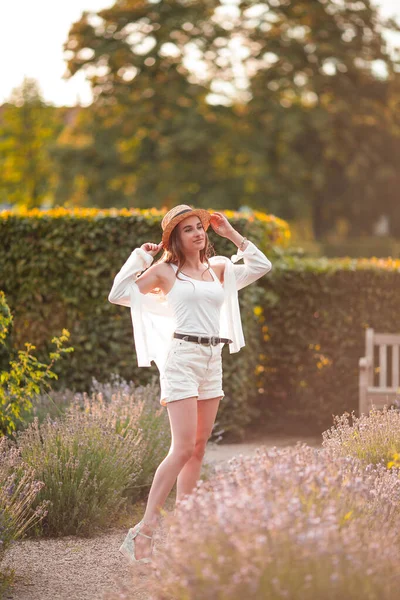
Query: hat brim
[[203, 215]]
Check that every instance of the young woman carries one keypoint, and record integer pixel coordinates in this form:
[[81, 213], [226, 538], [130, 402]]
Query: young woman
[[183, 309]]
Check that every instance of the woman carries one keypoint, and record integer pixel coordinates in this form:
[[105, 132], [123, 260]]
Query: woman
[[183, 309]]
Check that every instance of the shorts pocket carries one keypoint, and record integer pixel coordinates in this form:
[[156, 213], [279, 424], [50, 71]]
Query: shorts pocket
[[184, 347], [180, 348]]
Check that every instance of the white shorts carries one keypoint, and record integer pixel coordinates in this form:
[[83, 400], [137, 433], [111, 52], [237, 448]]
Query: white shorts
[[191, 369]]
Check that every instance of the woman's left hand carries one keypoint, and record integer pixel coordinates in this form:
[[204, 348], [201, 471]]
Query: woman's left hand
[[220, 224]]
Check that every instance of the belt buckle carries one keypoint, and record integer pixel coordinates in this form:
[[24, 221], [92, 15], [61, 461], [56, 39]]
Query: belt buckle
[[214, 340]]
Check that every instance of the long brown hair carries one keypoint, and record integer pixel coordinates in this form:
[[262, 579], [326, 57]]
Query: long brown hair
[[175, 254]]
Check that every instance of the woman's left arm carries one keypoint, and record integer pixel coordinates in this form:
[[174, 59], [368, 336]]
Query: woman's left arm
[[256, 264]]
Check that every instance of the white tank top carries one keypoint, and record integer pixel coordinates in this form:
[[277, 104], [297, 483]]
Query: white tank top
[[196, 304]]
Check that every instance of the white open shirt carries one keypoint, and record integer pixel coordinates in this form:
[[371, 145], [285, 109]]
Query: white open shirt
[[152, 318]]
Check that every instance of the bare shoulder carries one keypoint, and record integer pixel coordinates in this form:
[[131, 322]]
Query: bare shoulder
[[166, 277], [163, 270], [159, 275], [159, 272], [219, 269]]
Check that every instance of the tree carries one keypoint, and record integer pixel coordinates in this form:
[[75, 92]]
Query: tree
[[315, 133], [28, 128], [327, 117], [149, 117]]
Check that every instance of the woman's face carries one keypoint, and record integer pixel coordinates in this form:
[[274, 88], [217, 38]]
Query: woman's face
[[191, 234]]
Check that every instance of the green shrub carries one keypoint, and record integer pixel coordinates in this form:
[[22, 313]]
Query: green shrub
[[313, 316], [238, 409], [25, 375], [304, 323], [67, 275], [93, 458]]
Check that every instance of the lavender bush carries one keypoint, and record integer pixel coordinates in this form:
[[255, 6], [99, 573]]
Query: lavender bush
[[373, 438], [19, 490], [294, 523], [152, 420], [94, 457], [56, 403]]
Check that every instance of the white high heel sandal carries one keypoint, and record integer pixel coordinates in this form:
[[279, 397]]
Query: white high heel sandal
[[128, 546]]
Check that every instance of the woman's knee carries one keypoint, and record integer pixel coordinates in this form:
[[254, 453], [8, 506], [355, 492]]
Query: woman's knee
[[183, 452], [200, 448]]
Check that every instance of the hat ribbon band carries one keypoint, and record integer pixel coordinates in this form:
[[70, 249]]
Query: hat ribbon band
[[183, 211]]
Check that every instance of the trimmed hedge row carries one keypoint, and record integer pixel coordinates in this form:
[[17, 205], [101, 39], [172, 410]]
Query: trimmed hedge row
[[314, 314], [304, 323], [57, 269]]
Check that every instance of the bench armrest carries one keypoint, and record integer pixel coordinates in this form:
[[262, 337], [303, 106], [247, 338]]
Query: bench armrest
[[364, 363]]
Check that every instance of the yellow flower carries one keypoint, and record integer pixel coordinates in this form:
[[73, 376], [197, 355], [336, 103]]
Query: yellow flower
[[258, 310]]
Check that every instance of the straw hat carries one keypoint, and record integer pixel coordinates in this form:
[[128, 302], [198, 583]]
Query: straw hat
[[178, 214]]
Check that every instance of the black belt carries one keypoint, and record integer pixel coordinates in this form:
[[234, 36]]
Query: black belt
[[199, 339]]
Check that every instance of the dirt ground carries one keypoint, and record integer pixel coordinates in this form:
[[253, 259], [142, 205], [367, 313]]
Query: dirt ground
[[73, 568], [216, 453]]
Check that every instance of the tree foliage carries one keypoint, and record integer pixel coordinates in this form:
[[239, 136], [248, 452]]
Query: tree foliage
[[289, 107], [306, 136], [149, 117], [28, 128], [327, 90]]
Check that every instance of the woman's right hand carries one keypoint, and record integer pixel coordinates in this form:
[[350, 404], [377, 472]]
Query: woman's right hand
[[151, 249]]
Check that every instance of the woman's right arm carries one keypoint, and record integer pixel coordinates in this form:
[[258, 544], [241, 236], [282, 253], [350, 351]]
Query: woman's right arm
[[139, 260]]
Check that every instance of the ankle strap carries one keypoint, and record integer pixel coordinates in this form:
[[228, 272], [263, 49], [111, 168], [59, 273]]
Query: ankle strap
[[143, 522], [143, 534]]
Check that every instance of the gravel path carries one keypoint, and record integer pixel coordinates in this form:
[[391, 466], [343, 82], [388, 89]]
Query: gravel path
[[74, 568]]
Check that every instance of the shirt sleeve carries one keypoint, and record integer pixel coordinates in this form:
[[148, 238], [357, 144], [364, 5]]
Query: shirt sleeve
[[256, 264], [138, 261]]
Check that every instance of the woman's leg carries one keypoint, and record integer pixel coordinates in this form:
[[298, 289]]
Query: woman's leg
[[190, 472], [183, 422]]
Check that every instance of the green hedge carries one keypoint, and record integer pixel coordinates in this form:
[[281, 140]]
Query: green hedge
[[315, 314], [304, 322], [57, 268]]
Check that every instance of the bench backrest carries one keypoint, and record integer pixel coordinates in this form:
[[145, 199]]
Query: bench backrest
[[385, 346]]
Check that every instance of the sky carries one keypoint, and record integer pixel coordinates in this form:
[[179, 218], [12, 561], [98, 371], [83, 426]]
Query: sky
[[31, 45]]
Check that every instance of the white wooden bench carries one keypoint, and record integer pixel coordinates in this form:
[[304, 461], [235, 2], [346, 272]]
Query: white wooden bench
[[379, 371]]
